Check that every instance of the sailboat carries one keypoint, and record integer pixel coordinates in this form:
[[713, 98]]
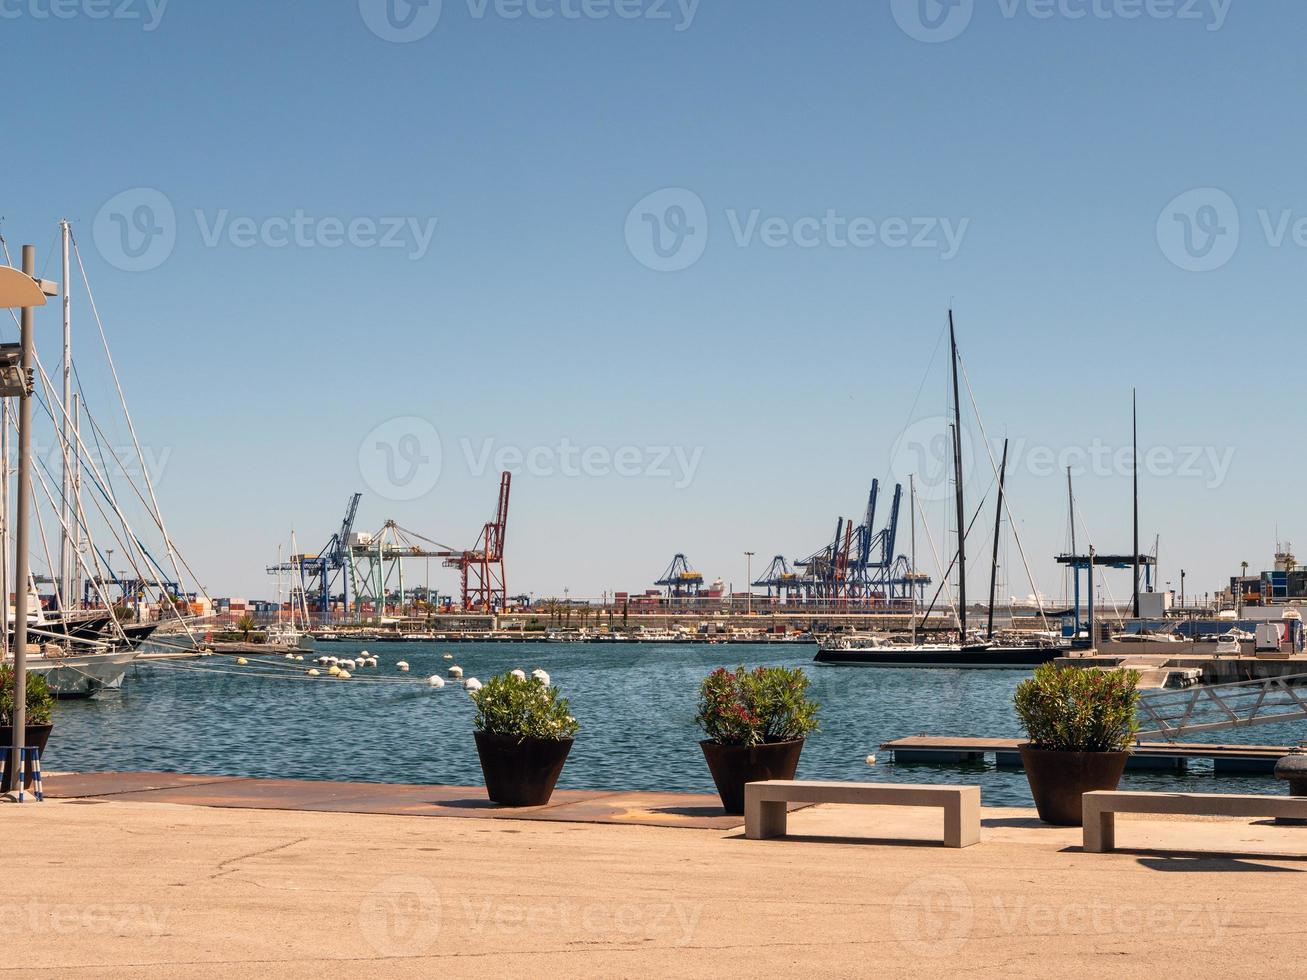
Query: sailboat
[[290, 636], [84, 646], [967, 651]]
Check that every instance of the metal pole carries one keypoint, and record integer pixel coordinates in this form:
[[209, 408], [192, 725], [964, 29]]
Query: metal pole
[[1092, 644], [998, 527], [4, 522], [20, 535], [77, 499], [65, 558], [748, 582], [957, 472], [1134, 430], [912, 562]]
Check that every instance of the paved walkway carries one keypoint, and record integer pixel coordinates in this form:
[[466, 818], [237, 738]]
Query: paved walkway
[[106, 884]]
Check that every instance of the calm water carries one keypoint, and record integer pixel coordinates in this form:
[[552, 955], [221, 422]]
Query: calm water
[[636, 704]]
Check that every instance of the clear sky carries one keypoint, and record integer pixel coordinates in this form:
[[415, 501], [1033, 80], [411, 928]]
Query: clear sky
[[685, 266]]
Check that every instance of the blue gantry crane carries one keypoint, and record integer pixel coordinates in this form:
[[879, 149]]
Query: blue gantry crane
[[680, 580], [860, 562], [323, 576]]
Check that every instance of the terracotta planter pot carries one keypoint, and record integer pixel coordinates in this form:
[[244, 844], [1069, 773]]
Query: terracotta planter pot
[[734, 765], [521, 772], [1058, 780], [37, 735]]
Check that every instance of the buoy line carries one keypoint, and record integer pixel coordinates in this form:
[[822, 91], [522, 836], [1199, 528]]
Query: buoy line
[[286, 675]]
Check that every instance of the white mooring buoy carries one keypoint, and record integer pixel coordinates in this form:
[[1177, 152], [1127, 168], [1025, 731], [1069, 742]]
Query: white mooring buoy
[[541, 676], [435, 680], [472, 684], [456, 672]]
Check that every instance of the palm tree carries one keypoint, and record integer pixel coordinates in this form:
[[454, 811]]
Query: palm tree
[[246, 626]]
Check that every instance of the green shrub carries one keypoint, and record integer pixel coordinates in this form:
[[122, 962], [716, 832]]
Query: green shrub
[[509, 705], [1070, 709], [755, 707], [40, 702]]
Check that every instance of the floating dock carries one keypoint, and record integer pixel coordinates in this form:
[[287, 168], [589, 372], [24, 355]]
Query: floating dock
[[1146, 755]]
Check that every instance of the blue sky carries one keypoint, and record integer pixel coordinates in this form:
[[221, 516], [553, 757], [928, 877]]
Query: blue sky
[[475, 258]]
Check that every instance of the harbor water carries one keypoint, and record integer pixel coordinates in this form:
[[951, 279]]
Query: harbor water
[[635, 702]]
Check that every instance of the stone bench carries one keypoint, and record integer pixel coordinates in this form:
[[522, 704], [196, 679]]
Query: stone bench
[[765, 804], [1101, 808]]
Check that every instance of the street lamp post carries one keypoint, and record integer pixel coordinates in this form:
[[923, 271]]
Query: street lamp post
[[24, 291]]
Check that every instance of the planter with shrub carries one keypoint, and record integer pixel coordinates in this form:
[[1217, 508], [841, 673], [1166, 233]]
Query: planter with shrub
[[756, 722], [1081, 724], [40, 715], [524, 732]]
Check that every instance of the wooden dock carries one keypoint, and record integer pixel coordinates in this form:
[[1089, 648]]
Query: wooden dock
[[1146, 755]]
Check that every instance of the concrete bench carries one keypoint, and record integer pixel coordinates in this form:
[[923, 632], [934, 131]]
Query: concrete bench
[[1101, 808], [765, 811]]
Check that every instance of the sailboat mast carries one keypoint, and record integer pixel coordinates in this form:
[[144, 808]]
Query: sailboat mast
[[65, 557], [998, 525], [957, 480], [912, 537], [1134, 426]]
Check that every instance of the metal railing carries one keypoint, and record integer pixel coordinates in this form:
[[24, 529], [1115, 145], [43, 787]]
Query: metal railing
[[1221, 707]]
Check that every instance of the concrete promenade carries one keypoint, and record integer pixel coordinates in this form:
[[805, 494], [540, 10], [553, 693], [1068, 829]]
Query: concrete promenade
[[200, 876]]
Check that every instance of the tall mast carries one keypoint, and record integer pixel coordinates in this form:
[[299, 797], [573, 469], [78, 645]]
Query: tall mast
[[1134, 426], [957, 480], [912, 536], [65, 428], [998, 525]]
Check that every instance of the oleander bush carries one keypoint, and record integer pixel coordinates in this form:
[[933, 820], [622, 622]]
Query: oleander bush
[[756, 707], [509, 705], [40, 702], [1070, 709]]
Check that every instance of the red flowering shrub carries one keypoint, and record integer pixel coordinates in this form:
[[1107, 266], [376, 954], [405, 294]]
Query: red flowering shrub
[[753, 707]]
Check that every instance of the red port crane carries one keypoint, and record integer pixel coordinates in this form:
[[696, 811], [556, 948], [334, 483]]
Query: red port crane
[[484, 585]]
